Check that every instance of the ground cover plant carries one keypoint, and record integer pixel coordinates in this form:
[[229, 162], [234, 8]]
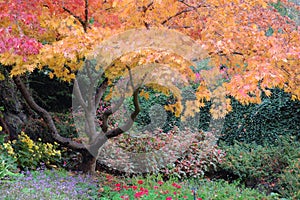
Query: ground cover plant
[[60, 184], [49, 184]]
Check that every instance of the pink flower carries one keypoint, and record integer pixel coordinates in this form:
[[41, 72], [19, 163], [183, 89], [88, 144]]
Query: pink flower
[[169, 198], [185, 197], [155, 187]]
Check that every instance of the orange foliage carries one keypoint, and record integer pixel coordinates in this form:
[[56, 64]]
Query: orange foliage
[[60, 33]]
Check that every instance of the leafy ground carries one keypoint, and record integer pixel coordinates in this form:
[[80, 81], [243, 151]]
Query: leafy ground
[[60, 184]]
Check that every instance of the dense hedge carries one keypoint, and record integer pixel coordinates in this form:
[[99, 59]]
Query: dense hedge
[[265, 122]]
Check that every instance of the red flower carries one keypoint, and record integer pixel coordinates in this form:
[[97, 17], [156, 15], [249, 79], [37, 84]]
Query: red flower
[[155, 187], [165, 192], [169, 198], [134, 187], [126, 197], [125, 187], [117, 189], [108, 177], [118, 185], [138, 194], [160, 182], [199, 198], [140, 182], [185, 197], [176, 185]]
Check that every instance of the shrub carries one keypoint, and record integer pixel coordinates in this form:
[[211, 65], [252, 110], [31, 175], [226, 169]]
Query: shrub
[[183, 153], [259, 165], [202, 156], [145, 152], [30, 154], [289, 180]]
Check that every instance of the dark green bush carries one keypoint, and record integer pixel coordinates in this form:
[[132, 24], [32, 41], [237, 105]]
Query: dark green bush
[[265, 122], [261, 165], [289, 180]]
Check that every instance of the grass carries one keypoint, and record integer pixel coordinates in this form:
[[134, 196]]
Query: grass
[[61, 184]]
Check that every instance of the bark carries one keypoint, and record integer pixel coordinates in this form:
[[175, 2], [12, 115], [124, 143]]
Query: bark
[[88, 162]]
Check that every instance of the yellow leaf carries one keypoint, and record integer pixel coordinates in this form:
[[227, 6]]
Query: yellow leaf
[[268, 93], [294, 97], [144, 94], [114, 4], [1, 77]]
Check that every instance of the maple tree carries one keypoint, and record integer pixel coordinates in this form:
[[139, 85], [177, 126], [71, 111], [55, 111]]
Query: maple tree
[[61, 36]]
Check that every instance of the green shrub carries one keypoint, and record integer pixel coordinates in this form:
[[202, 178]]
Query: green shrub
[[258, 165], [289, 180], [30, 154], [221, 190]]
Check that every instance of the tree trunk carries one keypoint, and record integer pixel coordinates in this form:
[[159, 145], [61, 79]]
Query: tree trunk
[[88, 162]]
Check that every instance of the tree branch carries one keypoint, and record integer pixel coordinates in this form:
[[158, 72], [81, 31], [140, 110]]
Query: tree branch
[[100, 91], [188, 9], [86, 13], [129, 122], [78, 95], [76, 17], [46, 116]]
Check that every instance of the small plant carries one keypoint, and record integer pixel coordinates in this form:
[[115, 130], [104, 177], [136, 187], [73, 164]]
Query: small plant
[[8, 163], [30, 154]]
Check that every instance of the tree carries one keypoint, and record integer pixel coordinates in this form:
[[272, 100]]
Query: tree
[[257, 48]]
